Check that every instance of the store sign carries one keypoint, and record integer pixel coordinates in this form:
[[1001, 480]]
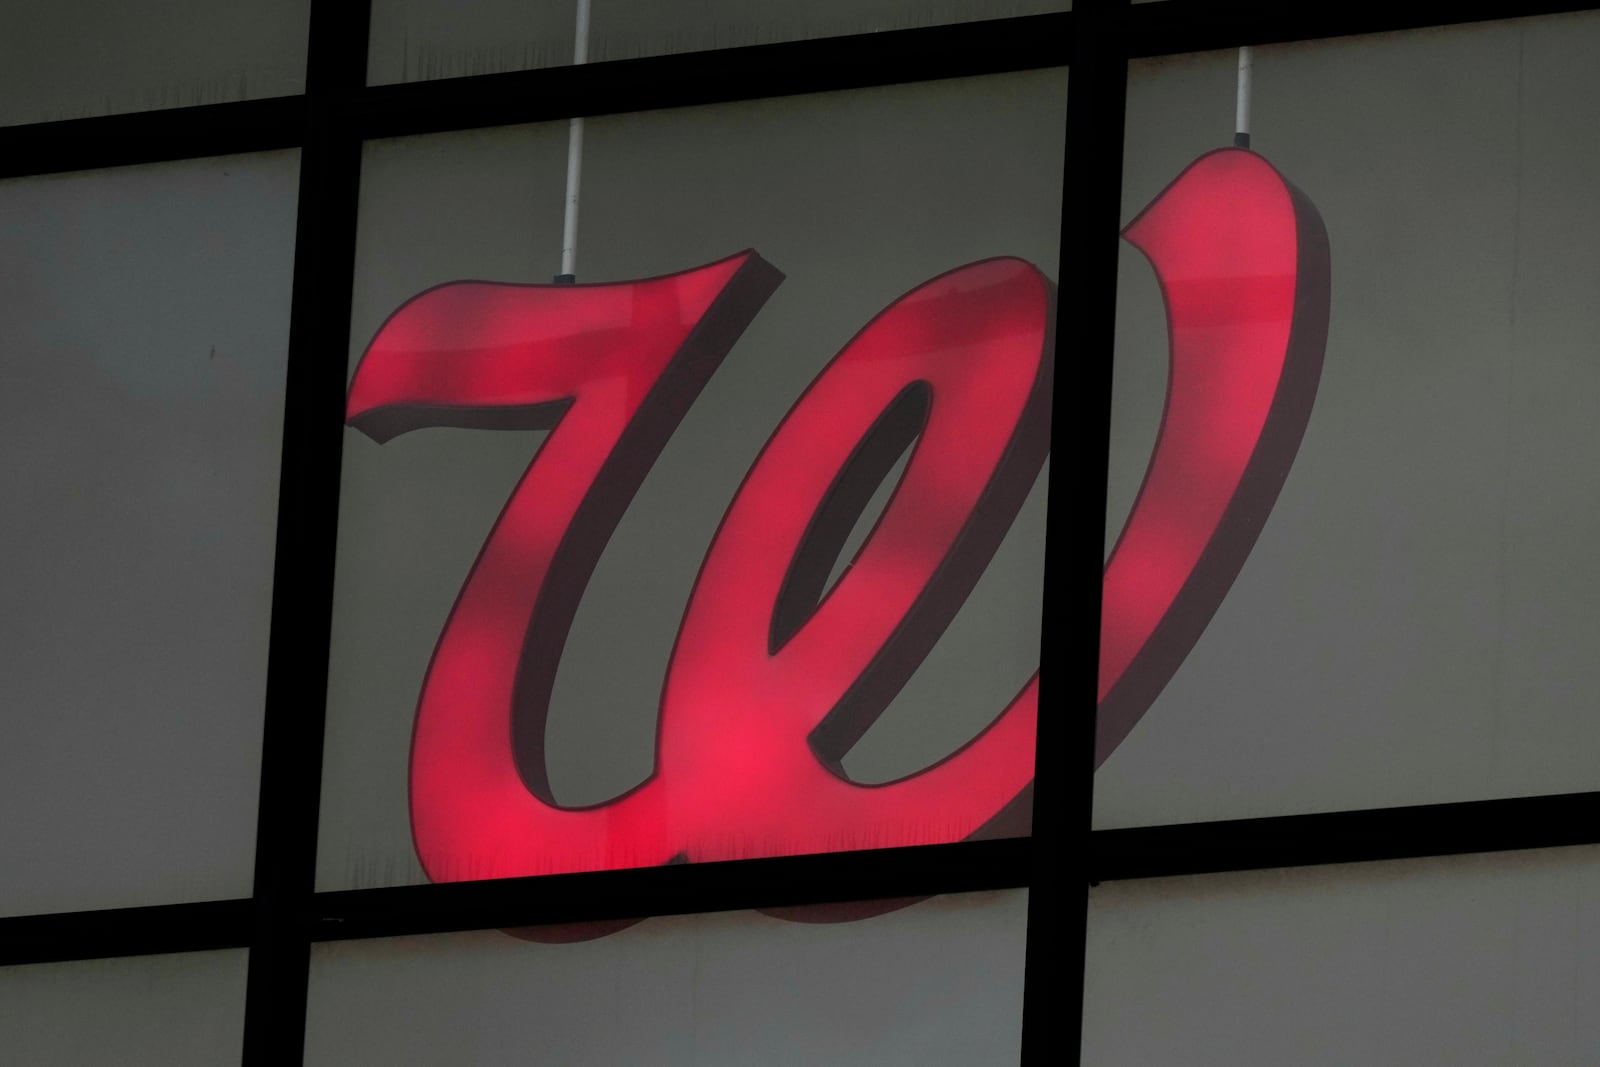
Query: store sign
[[1242, 259], [772, 678]]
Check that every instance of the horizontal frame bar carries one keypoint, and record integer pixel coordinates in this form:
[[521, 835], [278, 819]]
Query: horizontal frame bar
[[726, 75], [1374, 834], [152, 136], [1371, 835], [83, 935], [675, 889], [722, 76], [599, 896], [678, 80]]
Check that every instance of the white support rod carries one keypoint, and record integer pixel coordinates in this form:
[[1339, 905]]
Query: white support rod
[[569, 223], [1241, 111]]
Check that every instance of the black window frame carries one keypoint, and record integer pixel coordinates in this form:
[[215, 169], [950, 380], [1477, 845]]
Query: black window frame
[[285, 916]]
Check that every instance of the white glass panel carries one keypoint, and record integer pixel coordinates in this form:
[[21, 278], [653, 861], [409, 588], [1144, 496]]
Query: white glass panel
[[184, 1010], [857, 197], [413, 40], [147, 314], [71, 58], [1416, 622], [1469, 960], [939, 983]]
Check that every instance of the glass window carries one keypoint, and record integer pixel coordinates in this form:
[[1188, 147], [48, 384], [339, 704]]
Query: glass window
[[1414, 619], [414, 40], [147, 315], [857, 198], [139, 1011], [933, 984], [1472, 960], [75, 58]]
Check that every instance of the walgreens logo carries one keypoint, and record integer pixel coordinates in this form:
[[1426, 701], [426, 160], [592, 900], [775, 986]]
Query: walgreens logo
[[774, 677]]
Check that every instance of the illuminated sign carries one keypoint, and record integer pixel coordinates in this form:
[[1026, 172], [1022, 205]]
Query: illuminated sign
[[1242, 259], [772, 679]]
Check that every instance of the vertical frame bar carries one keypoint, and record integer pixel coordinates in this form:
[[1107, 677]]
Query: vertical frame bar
[[308, 513], [1091, 207]]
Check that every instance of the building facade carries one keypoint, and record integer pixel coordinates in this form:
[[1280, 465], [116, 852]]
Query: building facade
[[533, 537]]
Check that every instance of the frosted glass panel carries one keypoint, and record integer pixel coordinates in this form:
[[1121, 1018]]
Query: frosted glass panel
[[1470, 960], [1416, 622], [413, 40], [936, 984], [184, 1010], [73, 58], [857, 198], [147, 314]]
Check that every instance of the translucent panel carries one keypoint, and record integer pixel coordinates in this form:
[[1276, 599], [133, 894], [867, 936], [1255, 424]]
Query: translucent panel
[[857, 198], [937, 983], [139, 1011], [1413, 614], [147, 314], [73, 58], [413, 40], [1469, 960]]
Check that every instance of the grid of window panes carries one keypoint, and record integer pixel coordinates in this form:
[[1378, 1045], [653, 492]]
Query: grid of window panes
[[1365, 786]]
